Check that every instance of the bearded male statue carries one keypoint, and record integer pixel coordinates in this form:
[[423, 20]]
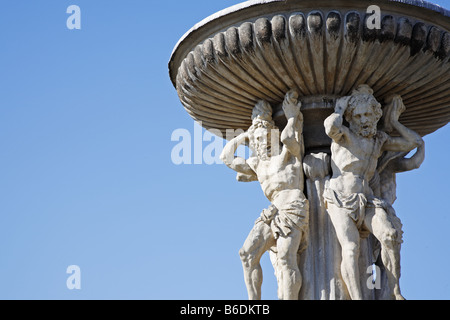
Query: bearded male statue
[[351, 204], [277, 164]]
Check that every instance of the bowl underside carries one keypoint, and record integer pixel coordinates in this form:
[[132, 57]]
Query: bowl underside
[[224, 65]]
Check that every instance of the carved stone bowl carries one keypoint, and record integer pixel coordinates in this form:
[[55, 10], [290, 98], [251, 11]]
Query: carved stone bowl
[[324, 49]]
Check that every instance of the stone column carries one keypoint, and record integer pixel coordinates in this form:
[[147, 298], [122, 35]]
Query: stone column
[[320, 261]]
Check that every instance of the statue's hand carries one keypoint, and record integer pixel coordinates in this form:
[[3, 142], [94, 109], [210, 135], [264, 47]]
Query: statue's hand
[[342, 104], [291, 105], [397, 109], [392, 112], [242, 177]]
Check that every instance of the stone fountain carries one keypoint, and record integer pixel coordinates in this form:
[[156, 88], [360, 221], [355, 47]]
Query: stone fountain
[[320, 56]]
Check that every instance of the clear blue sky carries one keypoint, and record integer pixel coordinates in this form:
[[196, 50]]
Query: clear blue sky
[[86, 176]]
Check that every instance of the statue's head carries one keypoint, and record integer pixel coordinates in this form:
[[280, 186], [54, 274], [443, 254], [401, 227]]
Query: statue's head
[[262, 111], [260, 133], [363, 112]]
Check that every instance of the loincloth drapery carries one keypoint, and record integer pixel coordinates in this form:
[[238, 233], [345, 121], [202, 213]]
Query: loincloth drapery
[[355, 206], [290, 216]]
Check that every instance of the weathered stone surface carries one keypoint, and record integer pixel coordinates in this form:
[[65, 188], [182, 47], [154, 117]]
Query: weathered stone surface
[[350, 103]]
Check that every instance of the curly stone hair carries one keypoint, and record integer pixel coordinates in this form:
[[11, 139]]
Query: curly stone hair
[[262, 109], [363, 95]]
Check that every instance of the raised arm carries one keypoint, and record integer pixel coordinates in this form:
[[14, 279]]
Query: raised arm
[[292, 135], [334, 126], [408, 139], [238, 164], [404, 164]]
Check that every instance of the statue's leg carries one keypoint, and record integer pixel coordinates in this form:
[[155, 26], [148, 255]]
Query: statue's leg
[[378, 223], [349, 239], [258, 242], [290, 281]]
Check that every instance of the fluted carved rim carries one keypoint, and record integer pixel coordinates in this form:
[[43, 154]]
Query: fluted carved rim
[[317, 50]]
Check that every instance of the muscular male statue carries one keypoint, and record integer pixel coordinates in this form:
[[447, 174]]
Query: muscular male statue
[[384, 186], [351, 204], [279, 170]]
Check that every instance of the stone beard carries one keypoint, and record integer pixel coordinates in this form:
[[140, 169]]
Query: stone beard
[[261, 135], [363, 125]]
